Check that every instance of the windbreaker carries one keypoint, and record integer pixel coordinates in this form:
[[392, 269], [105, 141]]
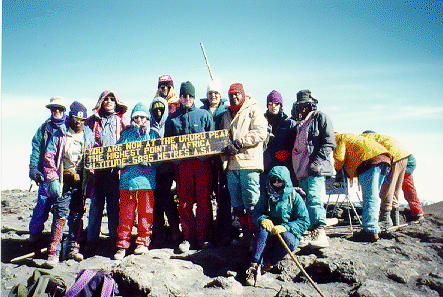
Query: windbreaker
[[290, 211], [352, 150], [248, 126]]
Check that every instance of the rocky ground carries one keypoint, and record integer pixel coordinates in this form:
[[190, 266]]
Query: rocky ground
[[405, 262]]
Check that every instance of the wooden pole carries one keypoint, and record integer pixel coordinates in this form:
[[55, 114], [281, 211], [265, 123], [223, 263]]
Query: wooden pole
[[30, 255], [206, 59], [299, 265]]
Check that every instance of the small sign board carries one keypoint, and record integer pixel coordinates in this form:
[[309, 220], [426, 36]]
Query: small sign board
[[335, 188], [155, 150]]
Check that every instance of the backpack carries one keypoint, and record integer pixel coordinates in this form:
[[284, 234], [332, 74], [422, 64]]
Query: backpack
[[92, 283], [41, 283]]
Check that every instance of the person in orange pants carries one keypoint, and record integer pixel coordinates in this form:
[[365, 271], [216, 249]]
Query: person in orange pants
[[410, 193]]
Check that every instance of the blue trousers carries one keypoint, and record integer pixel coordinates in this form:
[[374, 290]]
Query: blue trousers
[[269, 248], [371, 181], [41, 211], [106, 188], [244, 188], [313, 187]]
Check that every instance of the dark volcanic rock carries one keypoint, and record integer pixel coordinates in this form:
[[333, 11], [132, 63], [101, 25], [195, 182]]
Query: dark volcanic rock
[[404, 262]]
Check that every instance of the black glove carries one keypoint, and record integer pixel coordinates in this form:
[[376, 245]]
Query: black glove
[[36, 175], [144, 164], [232, 148], [120, 167]]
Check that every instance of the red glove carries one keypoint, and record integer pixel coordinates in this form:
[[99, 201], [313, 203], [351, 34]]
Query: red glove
[[282, 155]]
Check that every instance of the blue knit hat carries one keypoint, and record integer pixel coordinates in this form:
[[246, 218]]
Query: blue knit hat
[[77, 109], [140, 110]]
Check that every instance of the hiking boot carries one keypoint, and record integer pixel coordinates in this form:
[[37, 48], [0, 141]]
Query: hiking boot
[[141, 250], [305, 239], [365, 236], [253, 274], [185, 246], [74, 254], [120, 254], [395, 216], [51, 262], [419, 217], [319, 239], [385, 220]]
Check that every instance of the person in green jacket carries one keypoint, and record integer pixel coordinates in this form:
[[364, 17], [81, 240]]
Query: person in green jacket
[[280, 210]]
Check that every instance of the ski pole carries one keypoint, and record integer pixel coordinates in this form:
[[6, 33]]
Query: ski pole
[[299, 265]]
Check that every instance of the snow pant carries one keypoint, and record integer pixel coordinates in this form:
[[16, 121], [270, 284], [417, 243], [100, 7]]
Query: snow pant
[[41, 211], [165, 204], [106, 187], [410, 194], [224, 217], [313, 187], [194, 180], [390, 191], [267, 247], [371, 181], [143, 201]]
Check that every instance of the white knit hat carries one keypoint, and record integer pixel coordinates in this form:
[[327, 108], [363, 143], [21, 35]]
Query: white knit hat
[[214, 86]]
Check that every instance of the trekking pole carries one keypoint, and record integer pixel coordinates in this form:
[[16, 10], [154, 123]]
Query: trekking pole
[[206, 59], [299, 265], [30, 255]]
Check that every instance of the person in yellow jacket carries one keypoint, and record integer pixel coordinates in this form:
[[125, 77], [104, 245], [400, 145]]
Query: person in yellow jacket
[[369, 161], [390, 189]]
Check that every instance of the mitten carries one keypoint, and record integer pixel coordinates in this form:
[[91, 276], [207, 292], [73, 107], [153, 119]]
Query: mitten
[[55, 189], [282, 155], [36, 175], [278, 229], [267, 224]]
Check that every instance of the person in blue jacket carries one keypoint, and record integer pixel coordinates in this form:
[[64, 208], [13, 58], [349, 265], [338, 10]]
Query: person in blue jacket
[[137, 186], [280, 210], [40, 141]]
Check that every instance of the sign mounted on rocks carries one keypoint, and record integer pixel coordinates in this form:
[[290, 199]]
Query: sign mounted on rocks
[[161, 149]]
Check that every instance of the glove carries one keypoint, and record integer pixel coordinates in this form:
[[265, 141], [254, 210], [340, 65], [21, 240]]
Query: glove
[[144, 164], [282, 155], [120, 167], [232, 148], [72, 174], [36, 175], [278, 229], [267, 224], [54, 189], [340, 176], [315, 169]]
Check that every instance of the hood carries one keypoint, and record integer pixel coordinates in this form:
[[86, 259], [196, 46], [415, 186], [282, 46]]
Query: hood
[[165, 114], [121, 108], [282, 172]]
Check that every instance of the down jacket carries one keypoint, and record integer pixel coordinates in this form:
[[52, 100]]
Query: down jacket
[[249, 126], [395, 148], [289, 212], [352, 150]]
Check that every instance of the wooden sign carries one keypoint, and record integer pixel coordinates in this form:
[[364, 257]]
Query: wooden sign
[[155, 150]]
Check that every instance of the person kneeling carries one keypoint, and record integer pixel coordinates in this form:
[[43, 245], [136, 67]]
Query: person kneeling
[[280, 210]]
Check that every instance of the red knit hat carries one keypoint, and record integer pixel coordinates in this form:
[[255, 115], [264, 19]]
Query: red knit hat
[[237, 88]]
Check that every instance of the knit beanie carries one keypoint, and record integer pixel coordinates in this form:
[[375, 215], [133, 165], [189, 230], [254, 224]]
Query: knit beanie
[[214, 86], [77, 109], [165, 80], [237, 88], [140, 110], [187, 88], [274, 96]]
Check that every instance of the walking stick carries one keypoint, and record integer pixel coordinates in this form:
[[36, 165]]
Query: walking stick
[[30, 255], [206, 59], [299, 265]]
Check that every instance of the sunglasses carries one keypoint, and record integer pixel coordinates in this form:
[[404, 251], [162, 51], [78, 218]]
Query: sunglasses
[[164, 87], [213, 92], [79, 120], [275, 179]]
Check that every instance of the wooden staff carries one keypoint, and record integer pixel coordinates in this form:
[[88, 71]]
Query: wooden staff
[[30, 255], [299, 265], [206, 59]]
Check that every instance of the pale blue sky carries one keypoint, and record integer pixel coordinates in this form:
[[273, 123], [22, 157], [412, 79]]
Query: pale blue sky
[[372, 64]]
